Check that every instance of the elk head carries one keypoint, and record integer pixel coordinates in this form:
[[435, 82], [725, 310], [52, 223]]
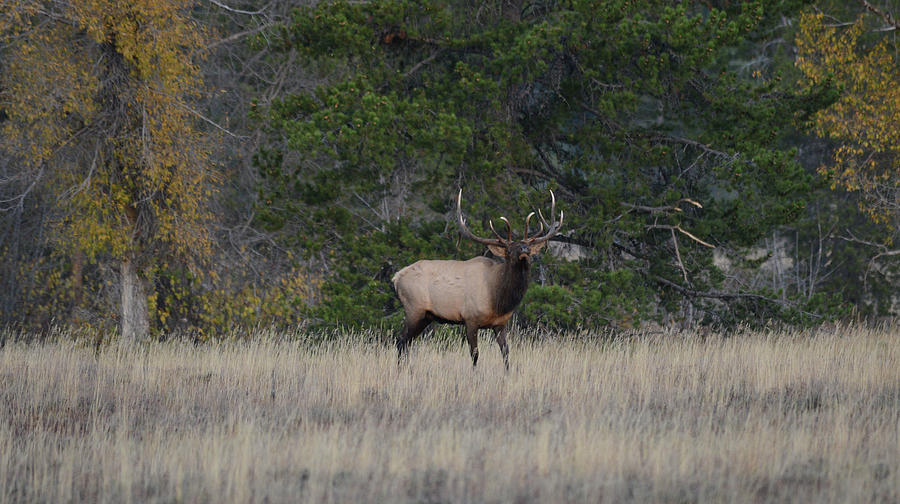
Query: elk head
[[514, 251]]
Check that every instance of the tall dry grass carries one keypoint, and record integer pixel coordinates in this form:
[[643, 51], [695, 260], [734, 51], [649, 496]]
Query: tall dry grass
[[752, 417]]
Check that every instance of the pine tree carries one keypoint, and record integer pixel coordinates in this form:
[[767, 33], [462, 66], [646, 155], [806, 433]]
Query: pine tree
[[654, 123]]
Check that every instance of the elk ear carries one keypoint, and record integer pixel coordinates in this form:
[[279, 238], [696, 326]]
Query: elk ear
[[497, 250], [536, 249]]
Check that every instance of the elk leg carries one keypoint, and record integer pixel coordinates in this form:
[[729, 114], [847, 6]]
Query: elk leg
[[472, 338], [500, 336], [411, 329], [402, 342]]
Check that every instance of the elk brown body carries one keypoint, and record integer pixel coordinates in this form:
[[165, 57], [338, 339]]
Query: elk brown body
[[480, 293]]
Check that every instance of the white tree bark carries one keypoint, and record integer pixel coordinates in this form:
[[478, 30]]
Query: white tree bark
[[135, 316]]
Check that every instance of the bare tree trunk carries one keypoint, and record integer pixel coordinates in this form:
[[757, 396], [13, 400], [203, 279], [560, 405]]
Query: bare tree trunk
[[135, 315], [77, 274]]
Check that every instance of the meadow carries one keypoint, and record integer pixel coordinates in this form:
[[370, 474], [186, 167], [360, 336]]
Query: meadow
[[747, 416]]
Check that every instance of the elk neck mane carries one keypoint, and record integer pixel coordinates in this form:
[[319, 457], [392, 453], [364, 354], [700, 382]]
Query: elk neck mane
[[512, 287]]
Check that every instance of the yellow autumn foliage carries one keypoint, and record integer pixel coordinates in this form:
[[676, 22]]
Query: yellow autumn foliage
[[98, 97], [282, 302], [865, 121]]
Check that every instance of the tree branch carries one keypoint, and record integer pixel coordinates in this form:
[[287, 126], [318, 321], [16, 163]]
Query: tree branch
[[680, 230], [197, 113], [550, 168], [236, 36], [422, 63], [19, 199], [694, 143], [678, 256], [885, 251], [727, 295], [236, 11], [664, 208], [886, 16], [210, 121]]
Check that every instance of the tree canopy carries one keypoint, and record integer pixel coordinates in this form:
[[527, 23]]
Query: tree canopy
[[648, 119], [862, 57], [204, 166], [97, 102]]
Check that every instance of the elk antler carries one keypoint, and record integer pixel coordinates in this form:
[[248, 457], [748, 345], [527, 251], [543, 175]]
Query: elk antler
[[527, 219], [552, 229], [508, 229], [464, 230]]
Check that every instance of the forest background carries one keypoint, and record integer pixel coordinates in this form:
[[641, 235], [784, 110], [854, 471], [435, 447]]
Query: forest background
[[206, 166]]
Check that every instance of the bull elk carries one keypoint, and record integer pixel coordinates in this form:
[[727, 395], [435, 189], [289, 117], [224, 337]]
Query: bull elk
[[480, 293]]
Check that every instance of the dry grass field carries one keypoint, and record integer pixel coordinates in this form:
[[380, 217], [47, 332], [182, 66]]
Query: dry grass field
[[749, 417]]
